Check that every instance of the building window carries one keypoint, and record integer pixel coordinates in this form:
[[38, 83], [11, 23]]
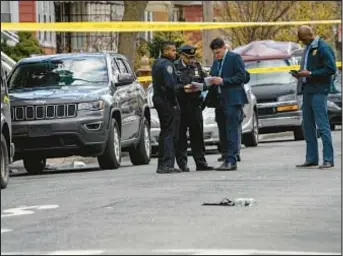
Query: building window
[[5, 11], [147, 35], [45, 13]]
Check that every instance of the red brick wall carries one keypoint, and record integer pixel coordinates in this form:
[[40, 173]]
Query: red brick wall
[[193, 13], [27, 11]]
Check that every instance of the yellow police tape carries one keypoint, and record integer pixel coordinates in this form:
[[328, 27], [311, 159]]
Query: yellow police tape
[[252, 71], [135, 26]]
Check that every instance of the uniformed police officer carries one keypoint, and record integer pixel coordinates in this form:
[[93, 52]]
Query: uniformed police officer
[[191, 110], [164, 79]]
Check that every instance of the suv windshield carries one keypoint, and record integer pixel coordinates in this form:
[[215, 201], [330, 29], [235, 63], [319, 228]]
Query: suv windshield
[[60, 72], [269, 78]]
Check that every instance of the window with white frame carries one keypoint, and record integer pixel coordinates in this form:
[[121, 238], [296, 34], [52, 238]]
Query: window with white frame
[[147, 35], [46, 13], [5, 11]]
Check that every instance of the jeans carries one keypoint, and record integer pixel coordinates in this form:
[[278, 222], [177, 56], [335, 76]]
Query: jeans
[[315, 113]]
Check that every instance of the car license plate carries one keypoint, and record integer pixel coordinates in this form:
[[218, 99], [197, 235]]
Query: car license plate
[[40, 130]]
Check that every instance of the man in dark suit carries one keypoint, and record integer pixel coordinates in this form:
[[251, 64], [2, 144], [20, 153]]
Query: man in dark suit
[[229, 75], [315, 78]]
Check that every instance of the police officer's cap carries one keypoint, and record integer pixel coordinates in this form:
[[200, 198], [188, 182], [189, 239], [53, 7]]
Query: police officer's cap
[[188, 50]]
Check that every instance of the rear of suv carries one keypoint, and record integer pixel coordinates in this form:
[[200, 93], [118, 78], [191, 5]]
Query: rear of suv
[[87, 104]]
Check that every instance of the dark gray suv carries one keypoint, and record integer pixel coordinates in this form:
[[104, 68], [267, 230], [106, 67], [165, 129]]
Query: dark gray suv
[[87, 104]]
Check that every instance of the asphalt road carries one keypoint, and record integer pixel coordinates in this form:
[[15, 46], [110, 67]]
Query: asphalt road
[[133, 210]]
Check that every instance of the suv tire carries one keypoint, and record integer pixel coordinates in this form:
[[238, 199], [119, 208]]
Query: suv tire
[[141, 154], [5, 169], [299, 133], [251, 139], [34, 164], [111, 157]]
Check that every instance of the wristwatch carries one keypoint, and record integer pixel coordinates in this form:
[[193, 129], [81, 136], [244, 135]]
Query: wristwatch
[[309, 74]]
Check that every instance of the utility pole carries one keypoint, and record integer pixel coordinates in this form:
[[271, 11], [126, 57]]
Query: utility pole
[[207, 15]]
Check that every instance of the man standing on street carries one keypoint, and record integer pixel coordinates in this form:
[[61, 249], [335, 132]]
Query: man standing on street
[[315, 77], [228, 74], [191, 111], [164, 79]]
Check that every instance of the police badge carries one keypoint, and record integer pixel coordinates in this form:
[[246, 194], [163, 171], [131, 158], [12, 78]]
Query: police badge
[[170, 69]]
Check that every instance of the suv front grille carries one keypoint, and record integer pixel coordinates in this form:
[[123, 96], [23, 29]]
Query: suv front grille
[[44, 112]]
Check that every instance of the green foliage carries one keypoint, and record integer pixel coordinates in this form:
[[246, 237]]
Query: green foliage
[[26, 46], [159, 37]]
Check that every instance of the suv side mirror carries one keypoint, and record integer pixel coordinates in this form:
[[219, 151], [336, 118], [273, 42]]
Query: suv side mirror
[[124, 79]]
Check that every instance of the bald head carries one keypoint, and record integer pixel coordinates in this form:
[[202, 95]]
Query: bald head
[[305, 34]]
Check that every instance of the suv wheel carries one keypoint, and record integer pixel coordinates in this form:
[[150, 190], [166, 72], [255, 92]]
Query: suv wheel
[[34, 164], [251, 139], [299, 133], [111, 157], [5, 170], [141, 154]]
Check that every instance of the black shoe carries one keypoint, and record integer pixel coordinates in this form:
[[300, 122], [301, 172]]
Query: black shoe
[[326, 165], [186, 169], [227, 167], [204, 168], [164, 170], [306, 164], [220, 159]]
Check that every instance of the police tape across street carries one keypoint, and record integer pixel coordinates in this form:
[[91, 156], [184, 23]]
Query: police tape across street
[[252, 71]]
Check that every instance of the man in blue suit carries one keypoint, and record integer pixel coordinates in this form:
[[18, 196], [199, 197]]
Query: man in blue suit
[[228, 74], [315, 78]]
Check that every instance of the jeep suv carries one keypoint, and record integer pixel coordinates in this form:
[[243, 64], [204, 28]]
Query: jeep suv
[[7, 148], [87, 104]]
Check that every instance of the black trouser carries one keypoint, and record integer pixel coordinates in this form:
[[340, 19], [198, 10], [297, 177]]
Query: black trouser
[[169, 116], [191, 118]]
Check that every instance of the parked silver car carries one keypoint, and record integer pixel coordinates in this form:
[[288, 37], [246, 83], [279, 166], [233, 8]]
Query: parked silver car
[[211, 134]]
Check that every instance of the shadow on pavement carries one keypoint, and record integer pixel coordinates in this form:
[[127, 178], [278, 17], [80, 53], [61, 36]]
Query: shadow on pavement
[[93, 168]]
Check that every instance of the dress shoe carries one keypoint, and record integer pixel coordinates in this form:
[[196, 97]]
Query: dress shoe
[[185, 169], [227, 167], [326, 165], [204, 168], [306, 164], [165, 170], [220, 159]]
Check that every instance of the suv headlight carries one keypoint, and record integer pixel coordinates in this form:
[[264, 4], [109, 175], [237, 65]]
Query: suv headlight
[[94, 105], [288, 97]]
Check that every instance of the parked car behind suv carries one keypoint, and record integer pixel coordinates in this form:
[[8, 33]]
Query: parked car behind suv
[[335, 103], [7, 147], [87, 104], [278, 105]]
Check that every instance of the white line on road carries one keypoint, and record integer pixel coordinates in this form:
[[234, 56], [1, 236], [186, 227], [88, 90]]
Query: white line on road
[[4, 230], [75, 252], [26, 210], [172, 251]]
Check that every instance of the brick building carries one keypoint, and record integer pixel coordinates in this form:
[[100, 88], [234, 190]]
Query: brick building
[[31, 11]]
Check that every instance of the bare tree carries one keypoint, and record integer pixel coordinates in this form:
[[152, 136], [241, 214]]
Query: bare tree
[[134, 11], [252, 11]]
